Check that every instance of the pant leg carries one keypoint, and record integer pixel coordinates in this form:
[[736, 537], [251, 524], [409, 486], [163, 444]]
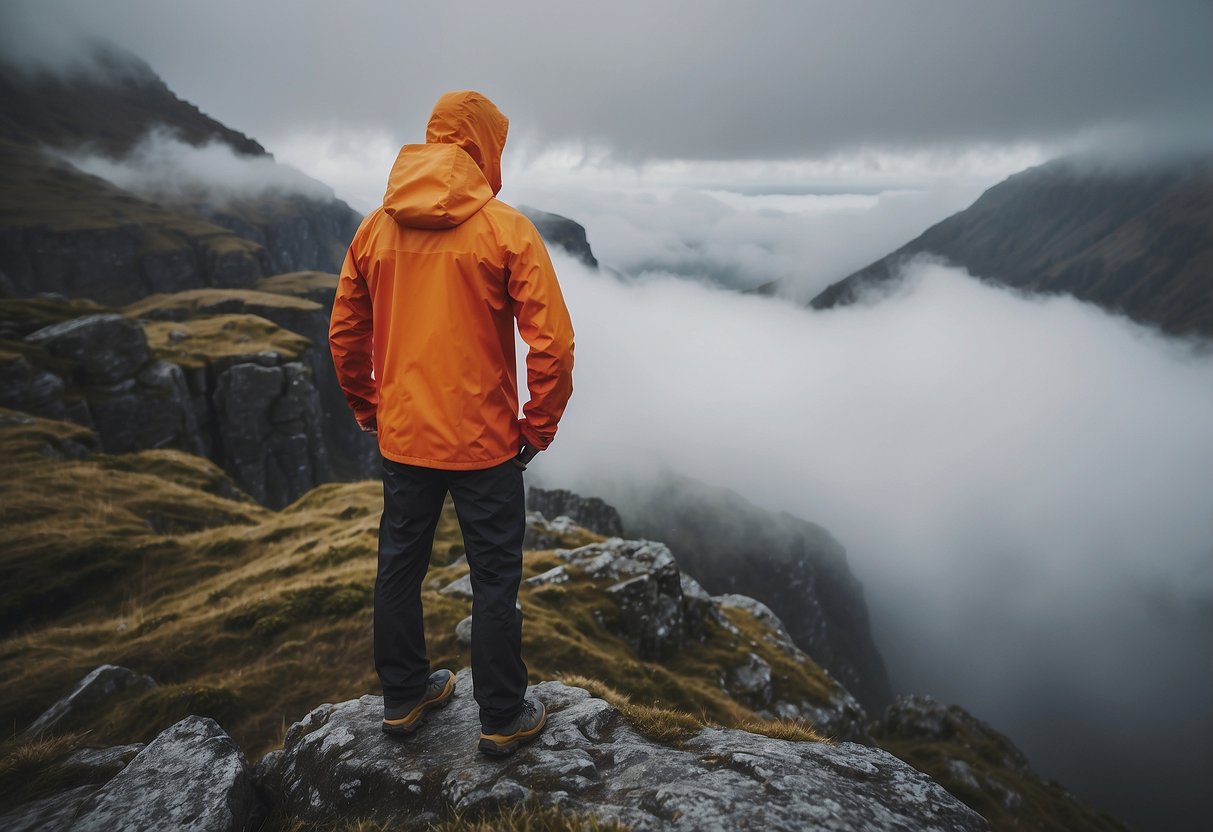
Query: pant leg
[[492, 515], [412, 504]]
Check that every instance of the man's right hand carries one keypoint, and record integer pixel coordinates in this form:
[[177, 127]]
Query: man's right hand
[[525, 454]]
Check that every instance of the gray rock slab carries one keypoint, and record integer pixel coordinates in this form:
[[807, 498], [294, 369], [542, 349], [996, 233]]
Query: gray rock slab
[[459, 588], [48, 814], [90, 694], [107, 348], [336, 762], [193, 776]]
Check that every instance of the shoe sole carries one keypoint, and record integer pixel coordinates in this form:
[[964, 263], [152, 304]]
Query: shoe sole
[[498, 745], [411, 723]]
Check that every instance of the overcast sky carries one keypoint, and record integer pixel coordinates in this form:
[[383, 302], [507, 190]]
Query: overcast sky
[[647, 81]]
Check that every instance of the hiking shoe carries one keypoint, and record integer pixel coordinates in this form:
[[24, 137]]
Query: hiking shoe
[[402, 720], [525, 727]]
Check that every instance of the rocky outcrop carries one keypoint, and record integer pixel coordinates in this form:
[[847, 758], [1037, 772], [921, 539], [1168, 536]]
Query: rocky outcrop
[[794, 567], [96, 690], [660, 611], [591, 513], [352, 454], [562, 231], [192, 776], [116, 388], [591, 760], [981, 767], [254, 410], [266, 429]]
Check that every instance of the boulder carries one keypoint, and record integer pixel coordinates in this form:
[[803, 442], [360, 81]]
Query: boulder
[[650, 613], [337, 763], [96, 690], [193, 775], [48, 814], [588, 512], [463, 632], [106, 348], [750, 682]]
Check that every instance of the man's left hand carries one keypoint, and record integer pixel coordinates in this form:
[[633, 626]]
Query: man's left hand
[[370, 426]]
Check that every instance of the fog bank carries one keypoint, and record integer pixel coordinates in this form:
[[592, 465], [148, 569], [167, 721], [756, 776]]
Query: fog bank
[[1022, 485], [162, 167]]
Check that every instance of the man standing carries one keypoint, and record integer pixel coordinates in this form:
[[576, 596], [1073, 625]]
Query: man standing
[[422, 337]]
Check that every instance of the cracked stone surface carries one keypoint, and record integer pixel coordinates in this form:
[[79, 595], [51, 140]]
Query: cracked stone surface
[[193, 776], [337, 763]]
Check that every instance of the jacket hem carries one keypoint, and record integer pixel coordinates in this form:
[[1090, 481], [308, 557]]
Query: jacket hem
[[446, 465]]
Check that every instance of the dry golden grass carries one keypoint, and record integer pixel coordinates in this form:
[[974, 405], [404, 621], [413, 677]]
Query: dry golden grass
[[199, 302], [298, 283], [221, 336]]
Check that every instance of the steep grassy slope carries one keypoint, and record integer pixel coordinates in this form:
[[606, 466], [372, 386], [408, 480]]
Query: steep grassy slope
[[1137, 240]]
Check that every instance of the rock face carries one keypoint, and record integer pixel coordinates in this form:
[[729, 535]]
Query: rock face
[[256, 413], [661, 610], [563, 232], [794, 567], [193, 776], [97, 688], [267, 432], [588, 512], [352, 454], [131, 400], [648, 592], [337, 763]]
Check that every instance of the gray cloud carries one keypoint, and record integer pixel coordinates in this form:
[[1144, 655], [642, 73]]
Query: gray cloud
[[652, 80]]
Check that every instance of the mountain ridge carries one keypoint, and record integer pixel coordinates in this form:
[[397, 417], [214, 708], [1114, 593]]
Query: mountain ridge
[[1136, 241]]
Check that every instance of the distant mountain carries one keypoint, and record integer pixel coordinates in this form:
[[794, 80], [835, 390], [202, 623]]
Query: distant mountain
[[64, 230], [1137, 240], [563, 232]]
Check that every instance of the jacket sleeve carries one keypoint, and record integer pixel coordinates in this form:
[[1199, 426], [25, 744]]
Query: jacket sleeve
[[544, 324], [351, 342]]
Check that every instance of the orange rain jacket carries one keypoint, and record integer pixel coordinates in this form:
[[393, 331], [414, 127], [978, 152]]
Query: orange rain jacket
[[422, 328]]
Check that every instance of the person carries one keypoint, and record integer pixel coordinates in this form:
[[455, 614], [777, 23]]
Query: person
[[422, 339]]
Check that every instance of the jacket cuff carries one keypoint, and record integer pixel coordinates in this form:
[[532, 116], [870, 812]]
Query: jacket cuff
[[533, 437]]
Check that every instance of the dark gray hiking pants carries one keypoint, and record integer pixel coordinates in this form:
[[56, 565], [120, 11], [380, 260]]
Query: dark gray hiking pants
[[492, 516]]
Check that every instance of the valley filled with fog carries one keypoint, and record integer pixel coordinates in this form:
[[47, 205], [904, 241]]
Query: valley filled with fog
[[1021, 482]]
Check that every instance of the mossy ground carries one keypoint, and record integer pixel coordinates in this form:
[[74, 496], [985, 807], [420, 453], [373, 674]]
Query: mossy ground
[[307, 284], [195, 343], [199, 302]]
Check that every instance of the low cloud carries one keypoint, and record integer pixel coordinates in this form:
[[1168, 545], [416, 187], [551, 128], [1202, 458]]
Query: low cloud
[[164, 168], [1022, 485]]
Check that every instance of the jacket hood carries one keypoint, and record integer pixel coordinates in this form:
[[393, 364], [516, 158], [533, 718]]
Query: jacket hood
[[445, 181]]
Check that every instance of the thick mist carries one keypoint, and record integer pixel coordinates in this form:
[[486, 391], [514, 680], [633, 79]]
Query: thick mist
[[162, 167], [1022, 484]]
